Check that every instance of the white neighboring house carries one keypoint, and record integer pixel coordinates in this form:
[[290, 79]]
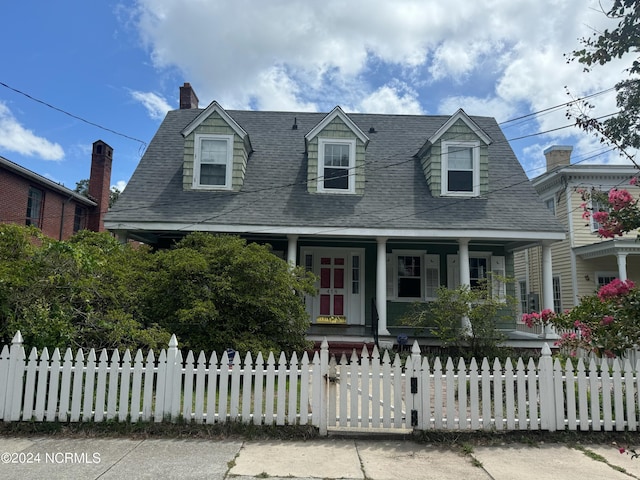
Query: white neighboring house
[[584, 261]]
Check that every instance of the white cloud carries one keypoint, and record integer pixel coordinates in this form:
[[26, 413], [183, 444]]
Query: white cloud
[[279, 92], [17, 138], [120, 185], [156, 105], [491, 57], [488, 107], [397, 99]]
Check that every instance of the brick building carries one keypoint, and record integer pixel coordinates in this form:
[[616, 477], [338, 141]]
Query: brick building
[[27, 198]]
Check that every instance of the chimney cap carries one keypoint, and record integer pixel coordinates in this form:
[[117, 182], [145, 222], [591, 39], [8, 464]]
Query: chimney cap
[[556, 148]]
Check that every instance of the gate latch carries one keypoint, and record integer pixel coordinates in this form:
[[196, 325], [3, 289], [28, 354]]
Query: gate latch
[[414, 418], [414, 385]]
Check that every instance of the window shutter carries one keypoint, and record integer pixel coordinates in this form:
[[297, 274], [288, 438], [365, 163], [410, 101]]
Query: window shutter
[[431, 276], [453, 272], [390, 268], [498, 286]]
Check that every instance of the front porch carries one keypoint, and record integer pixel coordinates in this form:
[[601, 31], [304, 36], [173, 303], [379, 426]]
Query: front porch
[[366, 285]]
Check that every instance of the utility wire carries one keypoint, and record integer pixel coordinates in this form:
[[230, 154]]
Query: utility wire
[[560, 105], [30, 97]]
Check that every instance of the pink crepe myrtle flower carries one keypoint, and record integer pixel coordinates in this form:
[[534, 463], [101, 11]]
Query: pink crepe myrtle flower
[[601, 216], [620, 199], [633, 181], [606, 320], [545, 317], [615, 288]]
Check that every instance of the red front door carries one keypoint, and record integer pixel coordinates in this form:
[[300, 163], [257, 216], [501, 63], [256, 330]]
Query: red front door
[[332, 286]]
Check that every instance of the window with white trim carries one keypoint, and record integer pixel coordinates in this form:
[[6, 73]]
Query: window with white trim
[[409, 284], [413, 275], [336, 164], [523, 296], [477, 270], [480, 264], [461, 168], [603, 278], [597, 206], [557, 294], [551, 205], [213, 161], [35, 202]]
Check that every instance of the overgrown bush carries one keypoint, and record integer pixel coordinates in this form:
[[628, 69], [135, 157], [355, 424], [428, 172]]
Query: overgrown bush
[[213, 292], [443, 318]]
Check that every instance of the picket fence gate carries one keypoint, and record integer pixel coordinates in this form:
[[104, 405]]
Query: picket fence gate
[[365, 391]]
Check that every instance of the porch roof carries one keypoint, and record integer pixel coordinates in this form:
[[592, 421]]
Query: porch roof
[[608, 247]]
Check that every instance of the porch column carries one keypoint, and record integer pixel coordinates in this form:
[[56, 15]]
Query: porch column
[[622, 266], [381, 286], [292, 250], [465, 274], [547, 283]]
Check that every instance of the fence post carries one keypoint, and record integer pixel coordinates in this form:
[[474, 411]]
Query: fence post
[[169, 382], [13, 388], [547, 393], [416, 387], [324, 382]]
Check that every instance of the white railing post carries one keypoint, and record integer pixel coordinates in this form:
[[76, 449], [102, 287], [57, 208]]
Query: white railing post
[[324, 373], [169, 383], [13, 392], [547, 393]]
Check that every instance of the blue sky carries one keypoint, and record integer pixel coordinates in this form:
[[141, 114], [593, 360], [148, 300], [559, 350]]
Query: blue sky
[[120, 64]]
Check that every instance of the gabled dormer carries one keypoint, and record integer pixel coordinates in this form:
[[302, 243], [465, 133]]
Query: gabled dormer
[[455, 159], [216, 150], [335, 150]]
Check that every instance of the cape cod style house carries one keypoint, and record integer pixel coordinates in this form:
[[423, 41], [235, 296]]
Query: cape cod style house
[[584, 261], [382, 208]]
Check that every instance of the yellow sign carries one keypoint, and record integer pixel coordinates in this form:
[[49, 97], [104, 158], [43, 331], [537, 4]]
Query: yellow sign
[[332, 319]]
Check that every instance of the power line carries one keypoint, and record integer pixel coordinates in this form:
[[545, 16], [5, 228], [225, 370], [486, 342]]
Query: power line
[[560, 105], [97, 125]]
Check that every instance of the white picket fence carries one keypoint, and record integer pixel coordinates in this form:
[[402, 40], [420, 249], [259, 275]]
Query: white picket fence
[[366, 391]]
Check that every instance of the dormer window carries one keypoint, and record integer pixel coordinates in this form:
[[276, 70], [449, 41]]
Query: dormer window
[[213, 161], [336, 163], [460, 168]]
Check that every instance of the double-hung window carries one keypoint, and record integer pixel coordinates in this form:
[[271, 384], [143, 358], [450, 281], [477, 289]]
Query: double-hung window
[[477, 271], [34, 207], [603, 278], [213, 163], [597, 206], [483, 267], [413, 276], [409, 276], [460, 168], [551, 205], [79, 219], [336, 164]]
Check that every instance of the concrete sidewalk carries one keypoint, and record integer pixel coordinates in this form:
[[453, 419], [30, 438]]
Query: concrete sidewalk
[[115, 458]]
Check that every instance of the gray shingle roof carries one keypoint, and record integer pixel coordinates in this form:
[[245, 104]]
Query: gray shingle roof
[[275, 193]]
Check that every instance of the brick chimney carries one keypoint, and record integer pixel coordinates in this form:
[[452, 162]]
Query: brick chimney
[[558, 156], [100, 184], [188, 98]]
